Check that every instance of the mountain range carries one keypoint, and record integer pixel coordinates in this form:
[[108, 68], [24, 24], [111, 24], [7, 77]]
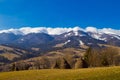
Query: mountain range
[[43, 40]]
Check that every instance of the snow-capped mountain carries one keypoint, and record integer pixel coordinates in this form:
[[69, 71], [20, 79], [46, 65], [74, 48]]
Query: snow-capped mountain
[[59, 37], [103, 34]]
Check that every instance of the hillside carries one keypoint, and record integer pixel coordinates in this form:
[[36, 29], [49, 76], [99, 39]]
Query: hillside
[[105, 73], [69, 58], [9, 54]]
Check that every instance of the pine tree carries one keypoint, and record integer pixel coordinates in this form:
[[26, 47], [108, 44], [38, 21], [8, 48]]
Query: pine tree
[[56, 66], [65, 64], [78, 63], [87, 56]]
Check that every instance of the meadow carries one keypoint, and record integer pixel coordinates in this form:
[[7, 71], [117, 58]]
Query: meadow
[[103, 73]]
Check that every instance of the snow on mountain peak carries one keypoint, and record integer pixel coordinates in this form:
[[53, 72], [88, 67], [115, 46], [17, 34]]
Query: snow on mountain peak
[[48, 30], [104, 30], [97, 33], [59, 30]]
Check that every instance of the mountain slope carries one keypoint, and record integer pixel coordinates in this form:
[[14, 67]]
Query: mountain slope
[[71, 38], [6, 38], [34, 39], [9, 54]]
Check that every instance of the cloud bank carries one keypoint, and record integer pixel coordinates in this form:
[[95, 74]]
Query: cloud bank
[[58, 30]]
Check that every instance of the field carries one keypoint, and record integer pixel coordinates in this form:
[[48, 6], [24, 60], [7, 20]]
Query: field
[[105, 73]]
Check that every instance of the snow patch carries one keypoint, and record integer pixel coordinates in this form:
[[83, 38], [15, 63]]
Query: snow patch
[[67, 35], [76, 33], [22, 39], [118, 37], [89, 43], [81, 42], [67, 42]]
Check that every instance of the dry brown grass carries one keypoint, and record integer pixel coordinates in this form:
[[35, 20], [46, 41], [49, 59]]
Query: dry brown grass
[[105, 73]]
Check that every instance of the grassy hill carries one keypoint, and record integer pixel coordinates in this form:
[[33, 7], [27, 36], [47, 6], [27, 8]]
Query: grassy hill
[[12, 54], [105, 73]]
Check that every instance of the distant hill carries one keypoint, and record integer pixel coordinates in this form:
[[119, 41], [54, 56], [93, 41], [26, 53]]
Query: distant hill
[[11, 54]]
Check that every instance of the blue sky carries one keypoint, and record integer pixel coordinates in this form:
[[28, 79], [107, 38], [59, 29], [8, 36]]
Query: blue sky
[[59, 13]]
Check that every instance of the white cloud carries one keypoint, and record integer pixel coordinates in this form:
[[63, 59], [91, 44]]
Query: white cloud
[[52, 31], [58, 30], [15, 31], [110, 31], [91, 29], [27, 30], [104, 30]]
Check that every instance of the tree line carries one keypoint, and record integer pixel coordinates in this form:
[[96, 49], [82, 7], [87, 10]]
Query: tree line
[[91, 58]]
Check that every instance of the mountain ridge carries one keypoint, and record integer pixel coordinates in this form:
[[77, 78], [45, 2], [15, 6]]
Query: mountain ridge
[[72, 38]]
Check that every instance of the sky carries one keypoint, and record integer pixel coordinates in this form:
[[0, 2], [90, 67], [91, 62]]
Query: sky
[[59, 13]]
